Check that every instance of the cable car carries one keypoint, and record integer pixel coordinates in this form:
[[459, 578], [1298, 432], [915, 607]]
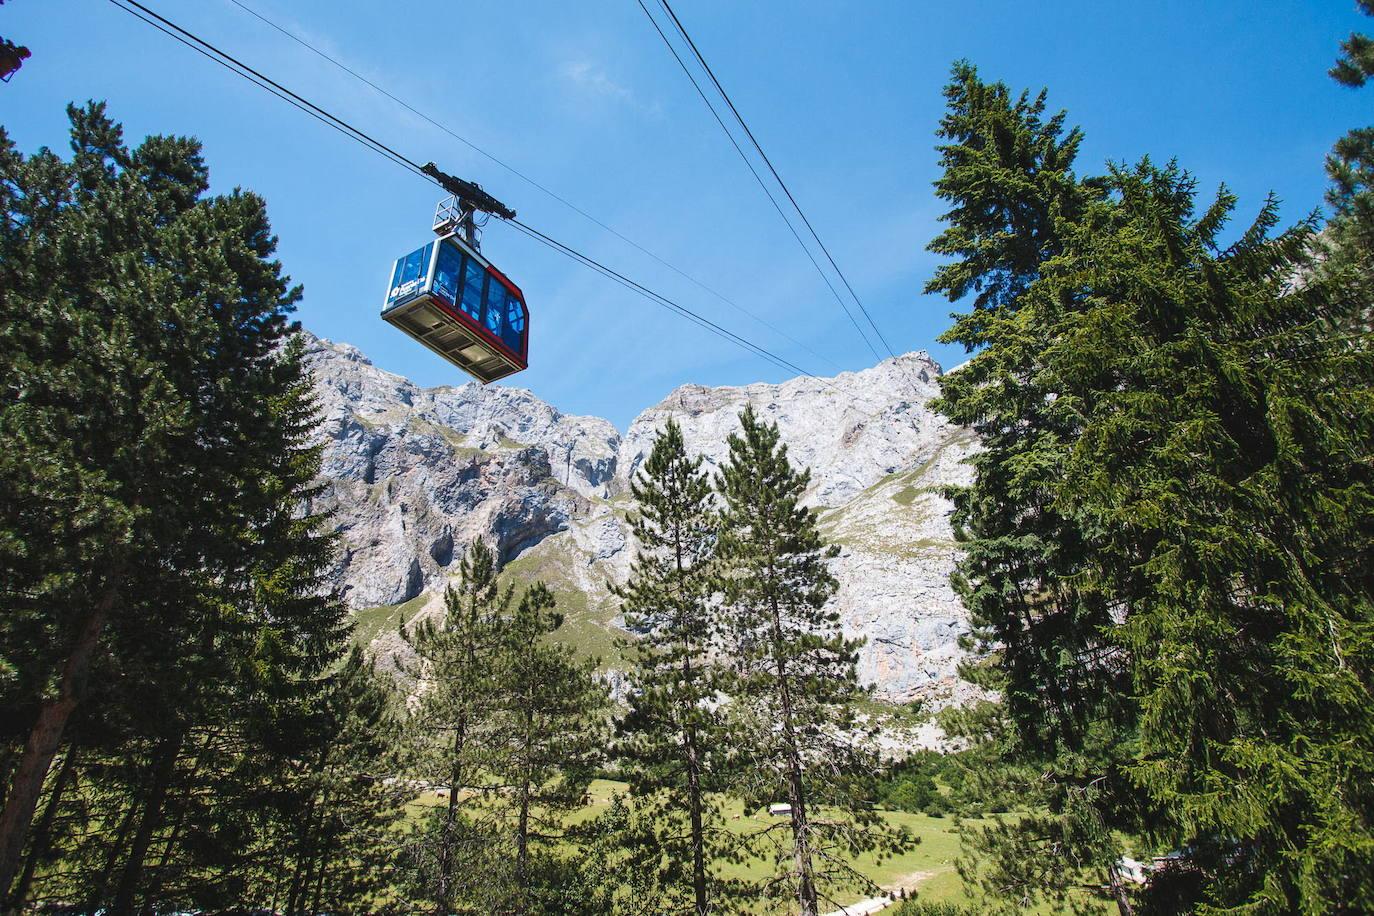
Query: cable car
[[450, 298]]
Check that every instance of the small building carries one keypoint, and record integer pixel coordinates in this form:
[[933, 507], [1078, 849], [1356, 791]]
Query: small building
[[780, 810]]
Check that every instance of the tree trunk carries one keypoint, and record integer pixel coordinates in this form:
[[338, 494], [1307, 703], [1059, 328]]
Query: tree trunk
[[1123, 903], [698, 834], [444, 898], [163, 766], [690, 745], [97, 894], [300, 885], [796, 795], [43, 833], [174, 835], [45, 737], [322, 869], [522, 839], [300, 872]]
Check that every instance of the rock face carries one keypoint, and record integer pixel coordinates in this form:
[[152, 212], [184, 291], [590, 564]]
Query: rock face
[[412, 475]]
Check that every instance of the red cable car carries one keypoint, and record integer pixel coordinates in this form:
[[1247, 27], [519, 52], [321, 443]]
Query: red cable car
[[454, 301]]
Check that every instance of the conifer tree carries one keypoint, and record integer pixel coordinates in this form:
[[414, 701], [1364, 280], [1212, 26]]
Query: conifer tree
[[672, 736], [793, 684], [155, 468], [1350, 166], [1014, 202], [548, 738], [455, 672], [1198, 422]]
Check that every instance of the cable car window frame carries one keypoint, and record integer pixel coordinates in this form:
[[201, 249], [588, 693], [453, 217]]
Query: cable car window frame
[[491, 285], [517, 319], [456, 254], [475, 315], [421, 262]]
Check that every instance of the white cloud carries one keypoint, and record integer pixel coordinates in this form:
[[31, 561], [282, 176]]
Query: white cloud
[[592, 81]]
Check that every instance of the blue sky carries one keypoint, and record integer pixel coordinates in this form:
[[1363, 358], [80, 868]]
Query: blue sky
[[584, 98]]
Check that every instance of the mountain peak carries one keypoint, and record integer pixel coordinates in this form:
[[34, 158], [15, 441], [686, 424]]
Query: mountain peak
[[414, 474]]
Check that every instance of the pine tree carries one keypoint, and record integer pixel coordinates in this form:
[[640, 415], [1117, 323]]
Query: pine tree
[[156, 471], [1226, 454], [548, 738], [149, 477], [340, 838], [455, 673], [672, 735], [793, 684], [1350, 166]]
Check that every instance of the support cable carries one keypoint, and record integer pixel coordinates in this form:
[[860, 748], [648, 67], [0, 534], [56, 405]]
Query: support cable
[[758, 178], [682, 30], [782, 184], [531, 182], [234, 65]]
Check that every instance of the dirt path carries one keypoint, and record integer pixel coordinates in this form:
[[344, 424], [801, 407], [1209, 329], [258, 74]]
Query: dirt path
[[907, 883]]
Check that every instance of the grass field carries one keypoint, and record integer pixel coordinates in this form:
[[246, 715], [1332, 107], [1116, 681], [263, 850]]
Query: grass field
[[369, 622], [927, 866]]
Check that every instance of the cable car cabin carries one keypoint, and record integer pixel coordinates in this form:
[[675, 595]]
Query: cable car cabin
[[452, 300]]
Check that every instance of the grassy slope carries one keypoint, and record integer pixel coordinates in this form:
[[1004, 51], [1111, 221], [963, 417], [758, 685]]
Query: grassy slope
[[587, 625], [932, 856], [370, 622]]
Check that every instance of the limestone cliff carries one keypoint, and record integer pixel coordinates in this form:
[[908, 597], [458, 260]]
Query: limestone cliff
[[413, 474]]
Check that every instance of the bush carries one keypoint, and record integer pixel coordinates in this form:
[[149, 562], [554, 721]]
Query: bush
[[915, 792], [924, 908]]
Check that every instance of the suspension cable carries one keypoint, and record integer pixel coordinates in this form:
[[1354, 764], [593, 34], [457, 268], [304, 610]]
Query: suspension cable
[[682, 30], [758, 178], [257, 78], [530, 181]]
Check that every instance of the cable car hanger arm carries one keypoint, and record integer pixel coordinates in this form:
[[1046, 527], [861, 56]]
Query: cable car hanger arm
[[471, 195]]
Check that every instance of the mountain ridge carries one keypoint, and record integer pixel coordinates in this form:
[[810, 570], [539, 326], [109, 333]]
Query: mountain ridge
[[412, 474]]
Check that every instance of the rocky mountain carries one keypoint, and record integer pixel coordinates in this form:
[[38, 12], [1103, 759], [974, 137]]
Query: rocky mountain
[[412, 474]]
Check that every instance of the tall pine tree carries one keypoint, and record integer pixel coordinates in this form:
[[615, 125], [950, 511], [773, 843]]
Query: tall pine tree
[[793, 684], [673, 739], [548, 739], [1350, 166], [155, 472], [454, 673], [1014, 201], [1197, 417]]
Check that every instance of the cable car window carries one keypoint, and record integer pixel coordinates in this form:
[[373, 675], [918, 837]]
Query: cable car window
[[515, 322], [417, 264], [473, 275], [446, 272], [410, 273], [496, 306]]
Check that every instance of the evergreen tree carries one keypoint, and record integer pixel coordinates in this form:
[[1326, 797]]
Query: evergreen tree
[[793, 685], [1350, 233], [1226, 455], [1199, 423], [455, 674], [154, 481], [1356, 63], [547, 739], [340, 838], [1014, 202], [672, 736]]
